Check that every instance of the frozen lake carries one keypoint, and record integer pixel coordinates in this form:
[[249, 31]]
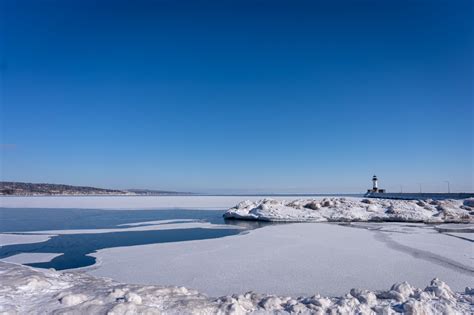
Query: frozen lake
[[184, 241], [73, 234]]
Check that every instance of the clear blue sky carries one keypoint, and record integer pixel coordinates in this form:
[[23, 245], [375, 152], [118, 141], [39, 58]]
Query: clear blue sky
[[238, 96]]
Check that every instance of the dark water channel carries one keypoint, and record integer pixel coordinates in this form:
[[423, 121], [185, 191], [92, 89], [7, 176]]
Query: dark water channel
[[76, 247]]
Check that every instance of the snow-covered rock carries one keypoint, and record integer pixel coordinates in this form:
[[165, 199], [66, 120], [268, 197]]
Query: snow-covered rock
[[353, 209], [25, 290]]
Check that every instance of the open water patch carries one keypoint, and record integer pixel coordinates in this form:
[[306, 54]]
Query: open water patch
[[76, 247]]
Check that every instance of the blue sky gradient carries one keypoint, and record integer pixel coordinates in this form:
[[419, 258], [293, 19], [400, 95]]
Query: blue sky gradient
[[238, 96]]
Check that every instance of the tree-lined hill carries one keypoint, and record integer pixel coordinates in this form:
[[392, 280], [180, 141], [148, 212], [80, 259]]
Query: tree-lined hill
[[45, 189]]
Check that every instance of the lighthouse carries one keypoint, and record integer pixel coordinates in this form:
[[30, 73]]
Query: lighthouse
[[374, 181], [375, 187]]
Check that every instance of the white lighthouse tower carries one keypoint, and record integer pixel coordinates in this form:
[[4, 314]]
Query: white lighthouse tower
[[375, 187]]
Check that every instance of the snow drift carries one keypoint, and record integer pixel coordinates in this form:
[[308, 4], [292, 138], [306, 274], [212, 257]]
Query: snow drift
[[27, 290], [355, 209]]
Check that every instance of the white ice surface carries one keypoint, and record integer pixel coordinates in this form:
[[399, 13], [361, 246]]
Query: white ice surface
[[469, 236], [157, 222], [426, 242], [26, 258], [127, 202], [294, 259], [141, 226], [12, 239]]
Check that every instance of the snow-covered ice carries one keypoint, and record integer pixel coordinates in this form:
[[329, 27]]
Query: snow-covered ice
[[354, 209], [24, 290], [282, 261], [11, 239], [38, 236], [125, 202], [26, 258], [296, 259]]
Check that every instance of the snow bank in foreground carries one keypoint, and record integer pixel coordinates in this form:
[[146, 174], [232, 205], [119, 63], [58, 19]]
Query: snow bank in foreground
[[355, 209], [26, 290]]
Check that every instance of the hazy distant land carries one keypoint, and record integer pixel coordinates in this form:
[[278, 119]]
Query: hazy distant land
[[45, 189]]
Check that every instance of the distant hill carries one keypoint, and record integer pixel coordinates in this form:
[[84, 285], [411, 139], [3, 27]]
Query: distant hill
[[156, 192], [44, 189]]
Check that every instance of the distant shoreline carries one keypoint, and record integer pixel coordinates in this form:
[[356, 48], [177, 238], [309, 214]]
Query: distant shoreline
[[46, 189], [185, 195]]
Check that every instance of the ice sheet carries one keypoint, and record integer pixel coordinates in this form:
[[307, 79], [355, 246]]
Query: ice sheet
[[26, 258], [126, 202], [291, 259], [11, 239]]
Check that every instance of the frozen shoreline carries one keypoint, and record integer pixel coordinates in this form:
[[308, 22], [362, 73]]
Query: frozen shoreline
[[27, 290], [282, 260], [354, 210]]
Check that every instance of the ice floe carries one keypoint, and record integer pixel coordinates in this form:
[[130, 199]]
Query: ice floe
[[355, 209], [12, 239], [27, 258], [26, 290], [129, 227]]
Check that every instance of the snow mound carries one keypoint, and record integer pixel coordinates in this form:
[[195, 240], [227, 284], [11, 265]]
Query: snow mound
[[26, 290], [354, 209]]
